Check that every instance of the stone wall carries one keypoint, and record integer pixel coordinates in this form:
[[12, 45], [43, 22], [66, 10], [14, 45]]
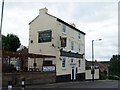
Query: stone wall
[[30, 78]]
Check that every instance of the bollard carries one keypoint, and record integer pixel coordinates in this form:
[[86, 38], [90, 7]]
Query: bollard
[[15, 81], [9, 85], [23, 83]]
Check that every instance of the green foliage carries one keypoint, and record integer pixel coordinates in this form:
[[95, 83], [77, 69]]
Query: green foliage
[[103, 77], [10, 42], [114, 65], [111, 77]]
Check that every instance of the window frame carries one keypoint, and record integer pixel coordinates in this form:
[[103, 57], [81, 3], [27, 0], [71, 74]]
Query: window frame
[[63, 42], [64, 29], [72, 45], [79, 35], [72, 60], [79, 49], [63, 62], [79, 63]]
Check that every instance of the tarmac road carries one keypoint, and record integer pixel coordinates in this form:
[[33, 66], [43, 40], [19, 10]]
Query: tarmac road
[[83, 84]]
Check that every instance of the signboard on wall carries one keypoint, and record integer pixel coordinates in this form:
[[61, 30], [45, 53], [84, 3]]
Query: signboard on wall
[[44, 36], [48, 68]]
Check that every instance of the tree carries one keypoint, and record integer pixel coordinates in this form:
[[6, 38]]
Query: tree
[[10, 42], [114, 65]]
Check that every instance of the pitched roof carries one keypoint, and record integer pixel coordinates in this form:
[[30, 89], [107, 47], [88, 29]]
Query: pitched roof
[[33, 19], [70, 25], [60, 20], [102, 67]]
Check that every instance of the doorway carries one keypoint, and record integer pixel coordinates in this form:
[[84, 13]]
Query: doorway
[[73, 72]]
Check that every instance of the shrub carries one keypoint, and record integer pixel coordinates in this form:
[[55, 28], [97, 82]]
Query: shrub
[[113, 77]]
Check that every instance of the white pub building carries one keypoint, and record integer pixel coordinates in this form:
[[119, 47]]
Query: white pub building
[[50, 35]]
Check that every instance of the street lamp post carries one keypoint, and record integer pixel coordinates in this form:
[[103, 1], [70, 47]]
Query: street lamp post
[[93, 68], [92, 71]]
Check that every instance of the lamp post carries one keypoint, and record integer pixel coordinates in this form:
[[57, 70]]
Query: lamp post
[[92, 70], [1, 16]]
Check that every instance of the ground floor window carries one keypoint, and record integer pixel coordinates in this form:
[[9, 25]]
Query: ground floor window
[[79, 62], [71, 60], [63, 62]]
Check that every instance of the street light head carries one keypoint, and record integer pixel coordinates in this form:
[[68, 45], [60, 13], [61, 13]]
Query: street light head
[[99, 39]]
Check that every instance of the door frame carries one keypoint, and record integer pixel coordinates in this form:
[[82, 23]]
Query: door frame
[[73, 67]]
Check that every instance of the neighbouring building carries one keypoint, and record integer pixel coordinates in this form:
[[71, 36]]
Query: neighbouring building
[[49, 35], [101, 66], [89, 73]]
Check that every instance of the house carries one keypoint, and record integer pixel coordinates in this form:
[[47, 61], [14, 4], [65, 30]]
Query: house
[[91, 73], [50, 35], [102, 66]]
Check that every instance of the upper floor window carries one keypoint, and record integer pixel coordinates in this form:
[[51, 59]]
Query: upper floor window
[[79, 62], [64, 29], [78, 35], [63, 62], [72, 45], [63, 42], [44, 36], [79, 47]]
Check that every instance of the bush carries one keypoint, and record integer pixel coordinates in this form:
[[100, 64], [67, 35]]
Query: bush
[[113, 77], [103, 77]]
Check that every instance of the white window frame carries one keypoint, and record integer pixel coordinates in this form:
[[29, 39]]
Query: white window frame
[[72, 60], [79, 63], [79, 49], [79, 35], [72, 45], [63, 62], [64, 29]]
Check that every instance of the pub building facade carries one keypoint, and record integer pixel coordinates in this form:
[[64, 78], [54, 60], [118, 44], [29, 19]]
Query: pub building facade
[[49, 35]]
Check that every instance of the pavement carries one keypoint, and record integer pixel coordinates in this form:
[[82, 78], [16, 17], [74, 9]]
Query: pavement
[[77, 84]]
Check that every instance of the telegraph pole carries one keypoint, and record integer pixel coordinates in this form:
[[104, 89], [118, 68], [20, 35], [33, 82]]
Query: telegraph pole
[[1, 17]]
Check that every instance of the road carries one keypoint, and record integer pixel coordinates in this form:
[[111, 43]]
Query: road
[[83, 84]]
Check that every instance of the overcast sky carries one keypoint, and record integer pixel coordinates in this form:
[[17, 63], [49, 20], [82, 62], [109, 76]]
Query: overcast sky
[[97, 19]]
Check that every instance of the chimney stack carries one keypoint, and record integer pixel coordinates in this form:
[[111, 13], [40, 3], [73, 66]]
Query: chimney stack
[[43, 11]]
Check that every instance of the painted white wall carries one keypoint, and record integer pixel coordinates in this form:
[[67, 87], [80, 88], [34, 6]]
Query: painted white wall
[[71, 35], [46, 22], [41, 23], [88, 74]]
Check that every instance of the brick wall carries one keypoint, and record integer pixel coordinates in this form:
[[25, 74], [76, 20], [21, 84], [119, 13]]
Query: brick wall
[[30, 77]]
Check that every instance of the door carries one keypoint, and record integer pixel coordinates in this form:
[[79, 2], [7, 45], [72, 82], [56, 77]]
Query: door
[[73, 72]]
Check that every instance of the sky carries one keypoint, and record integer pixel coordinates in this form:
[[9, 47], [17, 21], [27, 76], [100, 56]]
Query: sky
[[98, 19]]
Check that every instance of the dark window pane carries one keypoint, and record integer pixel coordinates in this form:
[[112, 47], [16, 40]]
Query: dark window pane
[[63, 42], [47, 63]]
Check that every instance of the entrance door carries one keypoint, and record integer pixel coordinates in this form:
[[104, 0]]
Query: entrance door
[[73, 72]]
